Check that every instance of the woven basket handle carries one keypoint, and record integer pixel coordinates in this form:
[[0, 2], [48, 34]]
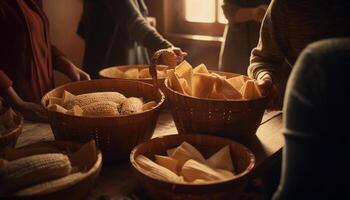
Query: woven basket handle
[[153, 72]]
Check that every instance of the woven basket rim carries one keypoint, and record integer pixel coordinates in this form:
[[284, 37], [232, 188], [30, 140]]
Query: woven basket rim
[[43, 103], [100, 73], [93, 170], [210, 100], [16, 129], [211, 183]]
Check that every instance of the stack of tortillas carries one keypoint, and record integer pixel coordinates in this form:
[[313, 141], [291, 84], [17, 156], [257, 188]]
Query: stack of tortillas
[[201, 83]]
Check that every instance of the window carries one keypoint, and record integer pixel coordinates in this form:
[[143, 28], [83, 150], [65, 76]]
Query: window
[[195, 17], [204, 11]]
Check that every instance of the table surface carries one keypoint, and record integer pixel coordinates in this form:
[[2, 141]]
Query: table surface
[[118, 180]]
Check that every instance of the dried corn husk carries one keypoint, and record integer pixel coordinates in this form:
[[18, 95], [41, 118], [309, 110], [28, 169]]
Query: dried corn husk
[[116, 73], [186, 152], [149, 105], [167, 162], [222, 159], [144, 73], [132, 73], [55, 101], [193, 170], [76, 111], [156, 171], [237, 82], [201, 69], [202, 85], [250, 90], [184, 70], [57, 108]]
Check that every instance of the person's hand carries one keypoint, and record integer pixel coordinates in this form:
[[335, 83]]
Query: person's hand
[[269, 90], [76, 74], [259, 12], [170, 57], [73, 72], [32, 111], [152, 21]]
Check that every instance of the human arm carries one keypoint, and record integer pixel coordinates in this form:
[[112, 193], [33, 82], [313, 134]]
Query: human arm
[[63, 64], [268, 57], [30, 111], [237, 14]]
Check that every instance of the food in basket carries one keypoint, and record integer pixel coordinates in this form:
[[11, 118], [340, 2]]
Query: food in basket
[[201, 83], [136, 73], [44, 166], [32, 170], [185, 164], [157, 171], [98, 104]]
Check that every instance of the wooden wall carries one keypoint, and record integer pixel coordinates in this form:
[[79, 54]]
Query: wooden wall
[[64, 16]]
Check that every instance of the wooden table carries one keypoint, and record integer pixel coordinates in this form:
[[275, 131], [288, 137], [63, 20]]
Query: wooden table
[[118, 180]]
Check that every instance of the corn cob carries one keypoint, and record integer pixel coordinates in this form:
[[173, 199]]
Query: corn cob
[[131, 105], [156, 171], [201, 69], [148, 105], [167, 162], [193, 170], [221, 159], [186, 152], [86, 99], [101, 109], [32, 170]]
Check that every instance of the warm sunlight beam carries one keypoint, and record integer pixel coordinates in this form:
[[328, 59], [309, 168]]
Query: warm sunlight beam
[[200, 11]]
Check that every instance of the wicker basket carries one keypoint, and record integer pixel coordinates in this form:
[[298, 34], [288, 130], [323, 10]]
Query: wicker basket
[[106, 73], [10, 138], [115, 136], [243, 160], [227, 118], [72, 187]]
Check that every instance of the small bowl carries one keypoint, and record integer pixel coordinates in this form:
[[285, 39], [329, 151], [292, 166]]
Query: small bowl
[[10, 138], [243, 160]]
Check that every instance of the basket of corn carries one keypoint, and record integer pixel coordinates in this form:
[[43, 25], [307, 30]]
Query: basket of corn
[[192, 167], [135, 72], [118, 114], [209, 102], [11, 124], [49, 170]]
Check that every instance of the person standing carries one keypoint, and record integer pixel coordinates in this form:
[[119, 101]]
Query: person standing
[[27, 58], [241, 33], [118, 33]]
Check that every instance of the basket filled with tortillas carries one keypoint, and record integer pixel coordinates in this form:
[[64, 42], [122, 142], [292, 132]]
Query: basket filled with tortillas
[[212, 102]]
